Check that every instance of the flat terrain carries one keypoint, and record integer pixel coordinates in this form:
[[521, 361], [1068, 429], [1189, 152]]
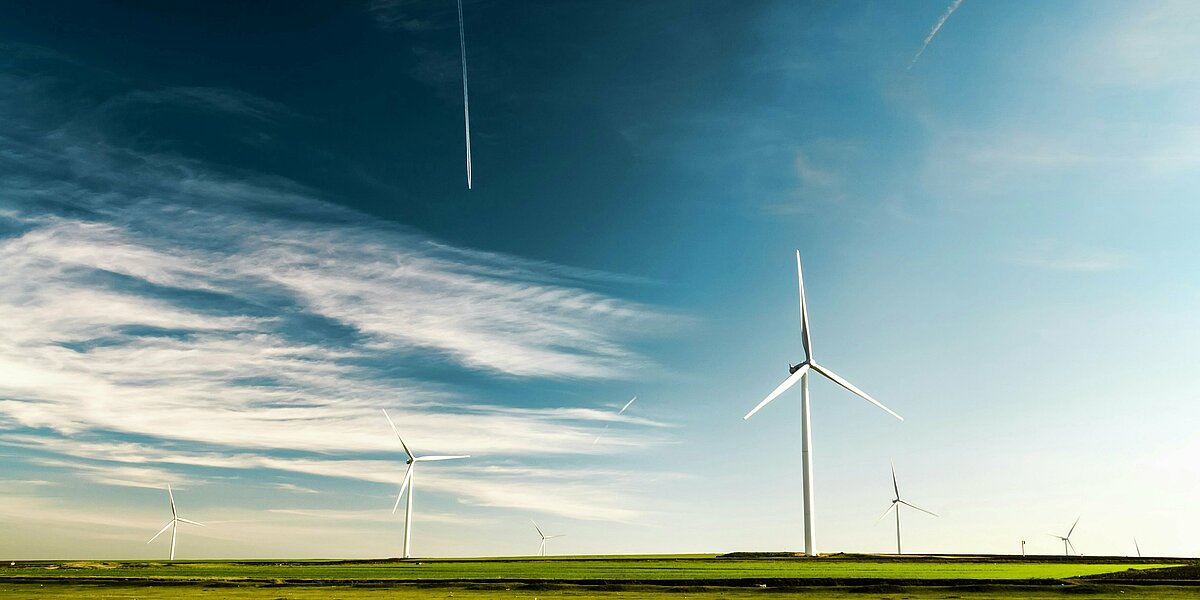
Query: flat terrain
[[614, 578]]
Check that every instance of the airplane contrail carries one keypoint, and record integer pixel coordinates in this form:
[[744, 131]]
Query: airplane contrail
[[620, 412], [462, 45], [936, 28]]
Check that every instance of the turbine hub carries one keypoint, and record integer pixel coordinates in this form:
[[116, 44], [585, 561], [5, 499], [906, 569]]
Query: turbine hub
[[793, 368]]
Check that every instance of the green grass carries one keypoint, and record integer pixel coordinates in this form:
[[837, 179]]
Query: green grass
[[692, 569], [199, 592]]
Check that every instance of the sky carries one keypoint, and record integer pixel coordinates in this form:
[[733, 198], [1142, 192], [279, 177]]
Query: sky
[[230, 234]]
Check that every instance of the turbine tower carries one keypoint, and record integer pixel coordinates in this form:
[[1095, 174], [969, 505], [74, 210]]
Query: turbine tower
[[1067, 545], [173, 524], [408, 482], [896, 502], [799, 373], [542, 549]]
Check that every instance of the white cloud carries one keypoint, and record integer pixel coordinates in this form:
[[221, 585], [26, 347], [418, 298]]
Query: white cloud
[[232, 319]]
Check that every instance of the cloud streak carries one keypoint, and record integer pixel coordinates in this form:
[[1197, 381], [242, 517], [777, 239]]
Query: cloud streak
[[239, 321]]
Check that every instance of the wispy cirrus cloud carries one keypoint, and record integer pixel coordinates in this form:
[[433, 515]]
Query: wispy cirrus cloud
[[227, 319]]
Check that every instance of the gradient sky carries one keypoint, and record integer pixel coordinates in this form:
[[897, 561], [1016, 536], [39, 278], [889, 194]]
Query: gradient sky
[[231, 233]]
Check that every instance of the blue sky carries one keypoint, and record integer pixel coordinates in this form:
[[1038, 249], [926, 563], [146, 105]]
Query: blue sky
[[231, 235]]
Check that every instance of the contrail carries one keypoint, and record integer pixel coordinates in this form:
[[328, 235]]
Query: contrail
[[462, 45], [620, 412], [932, 32]]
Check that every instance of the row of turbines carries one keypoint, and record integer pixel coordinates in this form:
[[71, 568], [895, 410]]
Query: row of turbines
[[797, 374]]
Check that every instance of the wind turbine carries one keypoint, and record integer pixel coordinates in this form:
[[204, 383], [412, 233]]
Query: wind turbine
[[799, 373], [1067, 545], [896, 502], [542, 549], [173, 524], [408, 481]]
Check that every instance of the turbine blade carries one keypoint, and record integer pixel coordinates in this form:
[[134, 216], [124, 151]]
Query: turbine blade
[[191, 522], [804, 333], [406, 451], [550, 537], [539, 529], [433, 458], [1137, 547], [403, 486], [160, 531], [783, 387], [885, 513], [1073, 527], [928, 512], [895, 486], [172, 497], [850, 386], [1072, 547]]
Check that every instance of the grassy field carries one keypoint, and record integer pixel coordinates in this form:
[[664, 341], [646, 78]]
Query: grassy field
[[694, 569], [80, 591], [614, 578]]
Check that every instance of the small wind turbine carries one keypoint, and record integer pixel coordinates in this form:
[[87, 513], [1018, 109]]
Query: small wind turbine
[[173, 524], [896, 502], [1067, 545], [542, 548], [799, 373], [408, 482]]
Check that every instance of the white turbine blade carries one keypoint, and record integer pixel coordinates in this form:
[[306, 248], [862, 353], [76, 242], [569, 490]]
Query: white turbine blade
[[405, 446], [622, 411], [172, 497], [885, 513], [928, 512], [433, 458], [1072, 547], [895, 486], [783, 387], [550, 537], [1138, 548], [403, 486], [1073, 527], [850, 386], [804, 333], [160, 531], [191, 522], [539, 529]]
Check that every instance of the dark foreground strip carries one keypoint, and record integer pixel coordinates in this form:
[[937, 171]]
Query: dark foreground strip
[[797, 582]]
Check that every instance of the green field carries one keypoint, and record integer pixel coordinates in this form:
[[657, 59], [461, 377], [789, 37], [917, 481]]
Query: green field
[[615, 578]]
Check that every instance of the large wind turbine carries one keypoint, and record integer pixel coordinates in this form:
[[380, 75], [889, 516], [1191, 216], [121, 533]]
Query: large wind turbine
[[896, 502], [542, 548], [408, 481], [799, 373], [1067, 545], [173, 524]]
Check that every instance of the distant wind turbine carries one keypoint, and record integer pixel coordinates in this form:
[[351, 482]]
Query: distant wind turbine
[[542, 548], [408, 482], [896, 502], [1067, 545], [173, 524], [799, 373], [462, 45]]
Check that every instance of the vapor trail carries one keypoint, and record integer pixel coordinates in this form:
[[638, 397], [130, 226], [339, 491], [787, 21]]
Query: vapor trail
[[932, 32], [462, 45], [620, 412]]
